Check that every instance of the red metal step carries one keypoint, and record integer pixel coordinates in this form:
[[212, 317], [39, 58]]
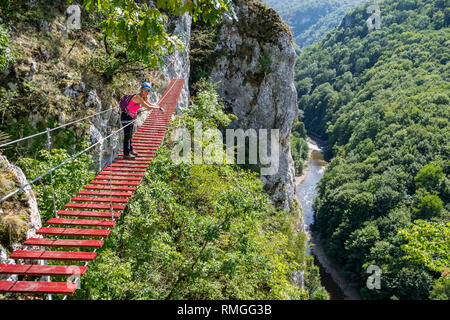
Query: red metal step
[[159, 130], [132, 166], [117, 183], [145, 146], [143, 156], [81, 222], [124, 169], [155, 125], [41, 270], [116, 177], [36, 287], [143, 136], [147, 140], [127, 170], [148, 135], [88, 214], [74, 232], [150, 144], [64, 243], [107, 194], [118, 173], [151, 134], [132, 162], [149, 150], [132, 173], [53, 255], [150, 127], [94, 206], [120, 160], [146, 155], [115, 188], [95, 199]]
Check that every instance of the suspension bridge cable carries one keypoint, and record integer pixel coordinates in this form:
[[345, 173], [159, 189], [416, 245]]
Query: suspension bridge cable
[[72, 122], [63, 163], [53, 129]]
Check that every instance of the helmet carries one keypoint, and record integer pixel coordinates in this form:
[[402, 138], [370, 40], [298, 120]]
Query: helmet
[[146, 85]]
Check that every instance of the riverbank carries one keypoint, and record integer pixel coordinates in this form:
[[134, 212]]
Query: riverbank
[[301, 178], [332, 269], [306, 184]]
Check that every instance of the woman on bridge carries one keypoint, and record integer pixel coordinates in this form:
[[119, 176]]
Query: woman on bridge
[[136, 102]]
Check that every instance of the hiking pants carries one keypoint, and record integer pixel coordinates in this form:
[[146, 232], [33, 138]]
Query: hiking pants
[[127, 133]]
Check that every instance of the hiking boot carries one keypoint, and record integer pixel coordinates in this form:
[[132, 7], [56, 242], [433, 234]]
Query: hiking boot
[[129, 157], [134, 153]]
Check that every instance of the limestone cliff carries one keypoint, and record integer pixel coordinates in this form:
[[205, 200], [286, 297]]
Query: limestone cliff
[[61, 75], [255, 75], [66, 79], [19, 216], [177, 66]]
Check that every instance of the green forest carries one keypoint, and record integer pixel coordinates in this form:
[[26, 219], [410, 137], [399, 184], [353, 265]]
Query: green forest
[[378, 98], [309, 20], [381, 100]]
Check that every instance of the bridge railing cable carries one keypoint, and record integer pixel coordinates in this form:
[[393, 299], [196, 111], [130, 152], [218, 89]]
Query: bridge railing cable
[[53, 129], [73, 122], [64, 162], [47, 132]]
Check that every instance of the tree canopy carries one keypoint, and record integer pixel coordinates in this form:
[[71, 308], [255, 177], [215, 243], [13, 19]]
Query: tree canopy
[[312, 20], [141, 26], [381, 99]]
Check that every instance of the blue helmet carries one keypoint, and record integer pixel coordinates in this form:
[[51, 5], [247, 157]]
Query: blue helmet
[[147, 86]]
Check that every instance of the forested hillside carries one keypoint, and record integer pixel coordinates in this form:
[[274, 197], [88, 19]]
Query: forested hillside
[[312, 20], [381, 98], [190, 231], [202, 232]]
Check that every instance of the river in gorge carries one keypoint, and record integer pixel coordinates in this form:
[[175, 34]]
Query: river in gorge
[[306, 192]]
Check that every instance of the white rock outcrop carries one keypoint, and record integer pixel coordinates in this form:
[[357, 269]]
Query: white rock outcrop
[[178, 64], [255, 76], [32, 216]]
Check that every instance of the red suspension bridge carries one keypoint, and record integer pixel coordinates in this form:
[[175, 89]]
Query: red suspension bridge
[[91, 214]]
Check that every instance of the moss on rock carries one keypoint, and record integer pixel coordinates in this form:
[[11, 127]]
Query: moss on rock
[[262, 23], [13, 213]]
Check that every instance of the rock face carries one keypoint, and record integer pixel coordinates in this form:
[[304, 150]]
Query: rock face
[[29, 211], [178, 65], [255, 76]]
